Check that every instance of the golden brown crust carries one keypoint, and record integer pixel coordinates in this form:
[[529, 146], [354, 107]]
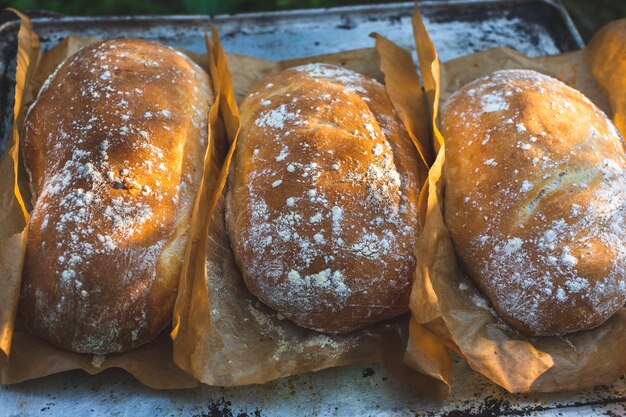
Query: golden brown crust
[[322, 199], [535, 200], [114, 145]]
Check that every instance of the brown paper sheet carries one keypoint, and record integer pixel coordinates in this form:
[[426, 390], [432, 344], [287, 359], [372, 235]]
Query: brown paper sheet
[[13, 214], [606, 55], [192, 301], [403, 87], [431, 73], [428, 354], [31, 357], [226, 336], [490, 346]]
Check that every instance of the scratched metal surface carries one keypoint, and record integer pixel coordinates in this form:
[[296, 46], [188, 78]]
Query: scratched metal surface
[[458, 27], [349, 391]]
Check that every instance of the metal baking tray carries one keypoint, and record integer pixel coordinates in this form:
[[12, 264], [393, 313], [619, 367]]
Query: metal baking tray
[[458, 27]]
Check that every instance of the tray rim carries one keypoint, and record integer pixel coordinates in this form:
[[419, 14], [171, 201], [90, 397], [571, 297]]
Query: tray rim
[[301, 13]]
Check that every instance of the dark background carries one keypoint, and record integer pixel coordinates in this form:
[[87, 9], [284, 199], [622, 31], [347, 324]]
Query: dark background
[[588, 15]]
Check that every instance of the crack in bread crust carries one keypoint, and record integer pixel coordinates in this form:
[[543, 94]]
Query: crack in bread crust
[[536, 200]]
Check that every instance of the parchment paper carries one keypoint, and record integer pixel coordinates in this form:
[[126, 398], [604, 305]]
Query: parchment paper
[[13, 214], [224, 335], [491, 347], [606, 54]]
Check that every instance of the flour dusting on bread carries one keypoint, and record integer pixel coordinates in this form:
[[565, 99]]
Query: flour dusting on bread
[[113, 189], [323, 214], [541, 225]]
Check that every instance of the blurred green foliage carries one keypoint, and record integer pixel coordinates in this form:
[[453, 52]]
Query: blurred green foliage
[[125, 7], [587, 15]]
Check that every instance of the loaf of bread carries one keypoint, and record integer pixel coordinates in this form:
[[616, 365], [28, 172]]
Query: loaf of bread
[[535, 200], [114, 147], [322, 199]]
